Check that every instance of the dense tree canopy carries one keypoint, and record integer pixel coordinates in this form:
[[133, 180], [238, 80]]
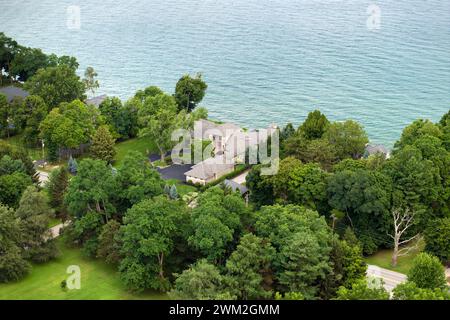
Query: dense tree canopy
[[189, 92]]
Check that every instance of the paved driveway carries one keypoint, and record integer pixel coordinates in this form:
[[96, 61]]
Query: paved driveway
[[391, 278], [175, 171]]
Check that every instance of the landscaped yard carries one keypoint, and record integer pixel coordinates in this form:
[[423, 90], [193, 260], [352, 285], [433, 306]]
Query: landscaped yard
[[383, 259], [142, 145], [98, 281], [182, 188]]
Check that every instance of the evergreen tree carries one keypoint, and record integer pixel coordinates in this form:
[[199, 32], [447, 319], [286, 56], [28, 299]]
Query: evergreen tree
[[103, 145], [56, 189], [73, 165], [173, 192]]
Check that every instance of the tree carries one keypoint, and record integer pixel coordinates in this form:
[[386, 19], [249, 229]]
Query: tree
[[348, 137], [436, 235], [70, 125], [173, 193], [261, 188], [201, 281], [102, 146], [365, 198], [122, 119], [12, 264], [136, 181], [427, 272], [416, 130], [314, 126], [403, 219], [72, 165], [5, 114], [159, 118], [56, 85], [410, 291], [26, 62], [12, 187], [8, 50], [362, 290], [189, 92], [147, 237], [34, 214], [247, 266], [36, 111], [90, 83], [109, 244], [91, 190], [56, 189]]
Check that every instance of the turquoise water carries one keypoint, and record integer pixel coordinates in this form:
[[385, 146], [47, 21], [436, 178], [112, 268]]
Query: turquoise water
[[264, 61]]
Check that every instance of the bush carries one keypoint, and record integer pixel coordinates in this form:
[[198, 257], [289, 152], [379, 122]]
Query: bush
[[427, 272]]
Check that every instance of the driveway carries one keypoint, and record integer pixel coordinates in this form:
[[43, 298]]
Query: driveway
[[241, 178], [43, 177], [391, 278], [175, 171]]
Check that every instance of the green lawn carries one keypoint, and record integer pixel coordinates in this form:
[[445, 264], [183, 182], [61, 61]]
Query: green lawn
[[383, 259], [99, 281], [142, 145], [182, 188], [54, 222]]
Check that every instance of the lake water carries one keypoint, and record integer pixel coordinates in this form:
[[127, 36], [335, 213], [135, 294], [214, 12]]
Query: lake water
[[264, 61]]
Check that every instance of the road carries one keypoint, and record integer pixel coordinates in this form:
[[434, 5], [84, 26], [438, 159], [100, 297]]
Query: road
[[391, 278]]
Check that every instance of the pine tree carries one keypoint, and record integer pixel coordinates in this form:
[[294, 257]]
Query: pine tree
[[103, 145], [73, 165], [173, 192], [56, 188]]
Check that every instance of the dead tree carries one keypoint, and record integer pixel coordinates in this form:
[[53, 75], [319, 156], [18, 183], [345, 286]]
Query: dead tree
[[403, 220]]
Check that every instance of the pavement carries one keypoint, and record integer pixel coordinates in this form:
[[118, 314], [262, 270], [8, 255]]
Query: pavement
[[43, 177], [241, 178], [175, 171], [391, 278]]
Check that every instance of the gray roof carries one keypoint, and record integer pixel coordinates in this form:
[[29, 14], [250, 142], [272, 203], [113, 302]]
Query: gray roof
[[96, 101], [12, 91], [378, 148], [209, 168], [202, 127], [235, 186]]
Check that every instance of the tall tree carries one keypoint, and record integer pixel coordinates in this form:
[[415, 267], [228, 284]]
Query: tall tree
[[189, 92], [56, 85], [314, 126], [56, 188], [427, 272], [403, 219], [348, 137], [102, 146], [12, 264], [35, 214], [90, 82], [147, 237]]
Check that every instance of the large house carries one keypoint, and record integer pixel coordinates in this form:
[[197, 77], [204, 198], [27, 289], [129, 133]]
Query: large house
[[230, 143]]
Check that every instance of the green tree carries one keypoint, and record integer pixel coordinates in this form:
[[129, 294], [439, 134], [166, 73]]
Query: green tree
[[12, 264], [56, 85], [410, 291], [102, 146], [5, 115], [362, 290], [147, 237], [159, 118], [437, 235], [136, 180], [348, 137], [122, 118], [12, 187], [247, 266], [189, 92], [36, 111], [109, 244], [8, 50], [427, 272], [314, 126], [35, 214], [90, 82], [261, 187], [416, 130], [91, 190], [26, 62], [201, 281], [56, 187]]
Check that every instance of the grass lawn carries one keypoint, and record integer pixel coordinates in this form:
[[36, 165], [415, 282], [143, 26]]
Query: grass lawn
[[142, 145], [182, 188], [98, 281], [383, 259], [54, 222]]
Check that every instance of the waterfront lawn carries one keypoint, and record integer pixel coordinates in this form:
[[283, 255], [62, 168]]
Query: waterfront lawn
[[383, 259], [142, 145], [98, 281]]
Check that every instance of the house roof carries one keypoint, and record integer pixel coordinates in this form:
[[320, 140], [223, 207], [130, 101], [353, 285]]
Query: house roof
[[208, 168], [235, 186], [203, 128], [12, 91], [378, 148], [96, 101]]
